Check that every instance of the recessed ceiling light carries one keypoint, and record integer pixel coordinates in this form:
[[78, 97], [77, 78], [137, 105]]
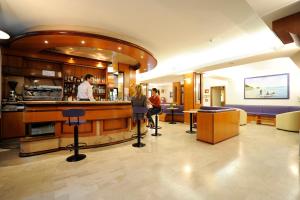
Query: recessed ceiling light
[[4, 35], [142, 57], [71, 60], [120, 48], [82, 42], [46, 42]]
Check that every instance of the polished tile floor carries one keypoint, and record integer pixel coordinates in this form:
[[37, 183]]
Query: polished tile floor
[[261, 163]]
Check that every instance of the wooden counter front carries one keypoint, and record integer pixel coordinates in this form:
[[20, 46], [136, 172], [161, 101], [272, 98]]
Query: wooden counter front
[[214, 127], [106, 123]]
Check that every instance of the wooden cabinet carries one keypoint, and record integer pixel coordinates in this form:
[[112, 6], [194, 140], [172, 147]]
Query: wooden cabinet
[[12, 125], [214, 127]]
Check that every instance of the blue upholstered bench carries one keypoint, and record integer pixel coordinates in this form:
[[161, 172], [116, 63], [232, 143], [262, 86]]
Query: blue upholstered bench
[[264, 114], [166, 114]]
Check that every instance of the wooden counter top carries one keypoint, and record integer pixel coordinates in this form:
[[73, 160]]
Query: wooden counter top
[[71, 102]]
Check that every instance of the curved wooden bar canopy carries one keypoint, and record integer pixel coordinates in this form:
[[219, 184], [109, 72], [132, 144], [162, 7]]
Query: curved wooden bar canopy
[[34, 42]]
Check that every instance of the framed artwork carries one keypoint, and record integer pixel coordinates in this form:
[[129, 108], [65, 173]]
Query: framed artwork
[[267, 87]]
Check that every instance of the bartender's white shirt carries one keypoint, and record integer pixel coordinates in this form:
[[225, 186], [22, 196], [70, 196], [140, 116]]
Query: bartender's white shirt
[[85, 91]]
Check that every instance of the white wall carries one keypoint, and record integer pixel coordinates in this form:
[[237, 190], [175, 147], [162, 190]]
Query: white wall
[[164, 89], [209, 82], [236, 75]]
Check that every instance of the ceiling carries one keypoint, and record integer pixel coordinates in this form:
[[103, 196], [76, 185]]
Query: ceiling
[[279, 65], [182, 35]]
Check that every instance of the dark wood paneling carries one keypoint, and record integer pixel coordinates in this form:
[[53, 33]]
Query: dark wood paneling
[[84, 129], [114, 124], [55, 58], [12, 125], [290, 24], [12, 61]]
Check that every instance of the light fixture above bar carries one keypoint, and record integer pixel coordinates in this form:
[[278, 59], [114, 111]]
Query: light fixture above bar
[[4, 35]]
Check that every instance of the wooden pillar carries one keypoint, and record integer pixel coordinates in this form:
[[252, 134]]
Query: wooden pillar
[[177, 93], [132, 81], [190, 95]]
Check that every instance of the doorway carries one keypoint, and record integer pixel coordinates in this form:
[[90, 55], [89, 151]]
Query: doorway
[[217, 96]]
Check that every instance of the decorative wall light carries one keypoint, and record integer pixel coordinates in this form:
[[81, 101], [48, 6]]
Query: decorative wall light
[[188, 80]]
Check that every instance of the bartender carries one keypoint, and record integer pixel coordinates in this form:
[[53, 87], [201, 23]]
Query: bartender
[[85, 89]]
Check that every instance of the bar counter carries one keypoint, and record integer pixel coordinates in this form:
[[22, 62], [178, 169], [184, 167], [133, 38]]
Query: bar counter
[[107, 122]]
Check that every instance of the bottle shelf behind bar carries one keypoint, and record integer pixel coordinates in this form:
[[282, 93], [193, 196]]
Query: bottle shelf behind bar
[[71, 84]]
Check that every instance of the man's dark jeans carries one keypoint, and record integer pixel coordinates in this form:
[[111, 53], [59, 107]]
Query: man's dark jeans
[[152, 111]]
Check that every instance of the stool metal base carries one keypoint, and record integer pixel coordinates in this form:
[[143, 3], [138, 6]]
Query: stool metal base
[[138, 145], [191, 132], [158, 134], [159, 127], [76, 158], [172, 122]]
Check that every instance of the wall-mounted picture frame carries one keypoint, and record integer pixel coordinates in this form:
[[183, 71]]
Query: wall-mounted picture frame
[[267, 87]]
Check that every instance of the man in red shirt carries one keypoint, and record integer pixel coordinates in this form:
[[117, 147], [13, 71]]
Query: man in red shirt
[[156, 108]]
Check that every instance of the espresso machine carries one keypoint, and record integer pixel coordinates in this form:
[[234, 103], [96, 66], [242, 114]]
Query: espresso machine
[[12, 97]]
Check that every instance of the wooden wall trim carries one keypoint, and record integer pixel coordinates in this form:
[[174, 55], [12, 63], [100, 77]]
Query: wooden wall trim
[[290, 24]]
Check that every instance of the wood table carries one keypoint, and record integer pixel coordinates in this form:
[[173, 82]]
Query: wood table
[[192, 111], [172, 111]]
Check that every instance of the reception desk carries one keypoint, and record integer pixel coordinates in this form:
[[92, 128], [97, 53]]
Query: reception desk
[[107, 123], [217, 124]]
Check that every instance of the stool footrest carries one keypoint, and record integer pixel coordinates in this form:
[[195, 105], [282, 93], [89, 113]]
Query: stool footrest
[[135, 136], [71, 147], [159, 127]]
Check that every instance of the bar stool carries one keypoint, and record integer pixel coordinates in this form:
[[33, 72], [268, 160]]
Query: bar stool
[[72, 113], [156, 127], [138, 115], [156, 121]]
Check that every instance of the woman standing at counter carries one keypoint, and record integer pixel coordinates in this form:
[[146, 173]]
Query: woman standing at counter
[[85, 89]]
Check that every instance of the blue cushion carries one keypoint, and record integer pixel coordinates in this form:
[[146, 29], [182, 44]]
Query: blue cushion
[[265, 110]]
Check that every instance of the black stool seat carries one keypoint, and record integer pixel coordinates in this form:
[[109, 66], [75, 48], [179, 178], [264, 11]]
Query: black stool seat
[[158, 127], [74, 113]]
